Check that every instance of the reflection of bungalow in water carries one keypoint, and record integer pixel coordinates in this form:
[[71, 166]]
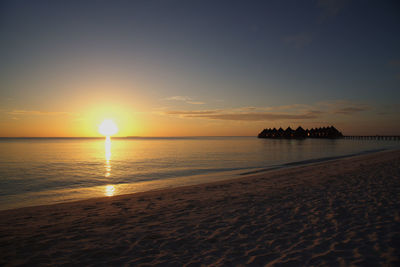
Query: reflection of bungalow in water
[[300, 133]]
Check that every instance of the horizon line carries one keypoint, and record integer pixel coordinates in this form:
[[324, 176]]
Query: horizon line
[[102, 137], [155, 137]]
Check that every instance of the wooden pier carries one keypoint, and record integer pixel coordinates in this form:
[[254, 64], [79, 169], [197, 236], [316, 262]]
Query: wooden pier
[[373, 137]]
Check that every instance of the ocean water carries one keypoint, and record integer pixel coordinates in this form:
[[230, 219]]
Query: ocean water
[[47, 170]]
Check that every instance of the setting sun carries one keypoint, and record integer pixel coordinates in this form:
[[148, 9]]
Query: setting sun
[[108, 128]]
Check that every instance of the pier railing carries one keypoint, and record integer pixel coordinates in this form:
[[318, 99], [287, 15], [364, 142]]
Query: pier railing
[[373, 137]]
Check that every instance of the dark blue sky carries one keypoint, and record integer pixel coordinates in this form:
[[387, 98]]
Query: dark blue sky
[[225, 54]]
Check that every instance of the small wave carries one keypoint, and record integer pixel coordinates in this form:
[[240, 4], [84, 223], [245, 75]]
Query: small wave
[[310, 161]]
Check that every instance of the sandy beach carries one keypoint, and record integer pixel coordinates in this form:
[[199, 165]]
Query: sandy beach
[[337, 213]]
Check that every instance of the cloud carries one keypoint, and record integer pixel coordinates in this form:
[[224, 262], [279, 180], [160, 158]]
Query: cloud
[[291, 112], [196, 112], [350, 110], [298, 40], [292, 107], [343, 107], [185, 99], [273, 113], [389, 109], [195, 102], [18, 112], [179, 98], [261, 116], [249, 108], [330, 8], [244, 116]]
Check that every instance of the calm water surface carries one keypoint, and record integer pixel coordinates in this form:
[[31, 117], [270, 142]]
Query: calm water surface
[[45, 171]]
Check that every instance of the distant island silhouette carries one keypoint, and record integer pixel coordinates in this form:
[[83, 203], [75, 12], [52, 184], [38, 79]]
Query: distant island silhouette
[[300, 133]]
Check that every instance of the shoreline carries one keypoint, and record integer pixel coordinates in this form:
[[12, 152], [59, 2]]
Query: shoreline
[[339, 212], [314, 161], [69, 195]]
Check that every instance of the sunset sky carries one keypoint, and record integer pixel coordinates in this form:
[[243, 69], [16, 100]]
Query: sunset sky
[[194, 68]]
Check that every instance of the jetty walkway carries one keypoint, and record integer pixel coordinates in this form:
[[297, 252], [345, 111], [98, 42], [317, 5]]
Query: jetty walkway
[[373, 137]]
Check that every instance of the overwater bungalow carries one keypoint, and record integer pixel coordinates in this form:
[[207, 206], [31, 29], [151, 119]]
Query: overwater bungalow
[[324, 132]]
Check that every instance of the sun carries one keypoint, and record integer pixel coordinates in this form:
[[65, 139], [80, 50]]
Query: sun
[[108, 128]]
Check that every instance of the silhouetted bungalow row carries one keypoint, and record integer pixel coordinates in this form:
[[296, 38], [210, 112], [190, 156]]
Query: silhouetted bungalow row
[[299, 133]]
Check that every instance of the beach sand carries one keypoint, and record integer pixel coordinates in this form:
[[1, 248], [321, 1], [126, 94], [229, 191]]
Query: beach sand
[[341, 212]]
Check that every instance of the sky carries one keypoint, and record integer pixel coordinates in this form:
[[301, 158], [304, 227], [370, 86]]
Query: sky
[[198, 68]]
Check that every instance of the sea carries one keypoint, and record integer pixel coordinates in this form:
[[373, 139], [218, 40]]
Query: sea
[[42, 171]]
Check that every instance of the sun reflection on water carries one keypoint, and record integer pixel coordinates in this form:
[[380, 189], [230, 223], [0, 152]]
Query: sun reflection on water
[[107, 164], [109, 190]]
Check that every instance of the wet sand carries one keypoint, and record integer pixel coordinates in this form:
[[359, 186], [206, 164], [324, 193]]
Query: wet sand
[[341, 212]]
